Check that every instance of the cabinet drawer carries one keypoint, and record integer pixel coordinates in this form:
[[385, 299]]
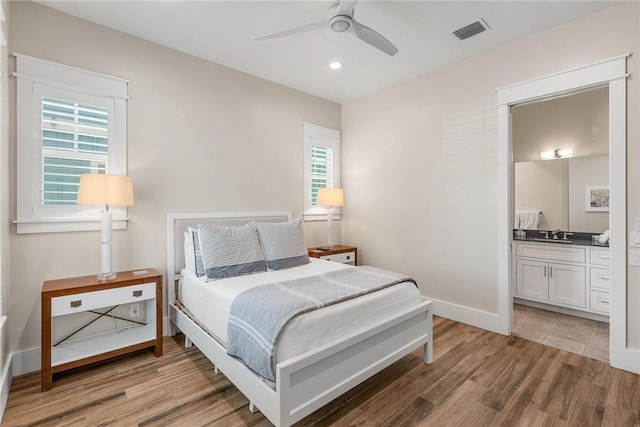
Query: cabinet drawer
[[345, 258], [98, 299], [599, 301], [551, 251], [599, 257], [599, 278]]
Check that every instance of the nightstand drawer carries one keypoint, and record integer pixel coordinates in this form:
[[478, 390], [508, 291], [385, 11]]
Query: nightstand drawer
[[109, 297], [345, 258]]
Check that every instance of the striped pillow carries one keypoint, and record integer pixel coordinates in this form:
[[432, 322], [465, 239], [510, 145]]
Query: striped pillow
[[197, 253], [283, 244], [230, 251]]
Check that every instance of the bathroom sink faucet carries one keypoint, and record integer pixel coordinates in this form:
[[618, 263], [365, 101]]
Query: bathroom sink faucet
[[555, 234], [546, 234], [566, 233]]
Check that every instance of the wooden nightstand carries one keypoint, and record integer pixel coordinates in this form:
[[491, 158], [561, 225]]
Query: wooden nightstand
[[337, 253], [93, 299]]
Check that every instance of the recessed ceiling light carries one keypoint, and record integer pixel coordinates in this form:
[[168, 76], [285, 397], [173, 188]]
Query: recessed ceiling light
[[335, 65]]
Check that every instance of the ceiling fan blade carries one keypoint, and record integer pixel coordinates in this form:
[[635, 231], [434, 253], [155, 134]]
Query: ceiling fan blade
[[345, 8], [374, 38], [291, 31]]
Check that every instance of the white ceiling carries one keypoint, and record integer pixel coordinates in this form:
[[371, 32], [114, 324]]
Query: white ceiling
[[221, 31]]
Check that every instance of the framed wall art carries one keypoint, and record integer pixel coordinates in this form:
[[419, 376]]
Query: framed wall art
[[596, 198]]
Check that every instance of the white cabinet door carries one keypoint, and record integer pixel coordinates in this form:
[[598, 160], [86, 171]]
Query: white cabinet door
[[567, 284], [531, 279]]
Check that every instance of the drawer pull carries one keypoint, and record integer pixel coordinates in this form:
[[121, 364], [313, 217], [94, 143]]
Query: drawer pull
[[348, 256], [137, 293], [75, 304], [604, 278], [605, 257], [604, 302]]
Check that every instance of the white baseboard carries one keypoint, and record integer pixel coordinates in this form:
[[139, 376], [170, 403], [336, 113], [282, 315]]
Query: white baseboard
[[26, 361], [5, 385], [467, 315]]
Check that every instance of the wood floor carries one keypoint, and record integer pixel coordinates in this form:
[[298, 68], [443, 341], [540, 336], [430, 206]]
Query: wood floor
[[478, 378]]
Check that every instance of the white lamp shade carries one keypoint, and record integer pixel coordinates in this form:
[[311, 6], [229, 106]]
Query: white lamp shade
[[330, 197], [104, 189]]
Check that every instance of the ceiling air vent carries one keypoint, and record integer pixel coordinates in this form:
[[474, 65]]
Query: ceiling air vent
[[471, 30]]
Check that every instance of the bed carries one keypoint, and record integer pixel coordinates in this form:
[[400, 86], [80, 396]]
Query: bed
[[310, 371]]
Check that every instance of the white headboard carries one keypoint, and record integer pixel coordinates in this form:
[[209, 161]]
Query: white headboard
[[178, 222]]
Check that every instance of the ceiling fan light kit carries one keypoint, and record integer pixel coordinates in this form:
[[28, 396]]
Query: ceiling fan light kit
[[341, 20], [340, 24]]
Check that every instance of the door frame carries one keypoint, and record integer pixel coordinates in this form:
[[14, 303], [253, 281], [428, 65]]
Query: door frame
[[612, 73]]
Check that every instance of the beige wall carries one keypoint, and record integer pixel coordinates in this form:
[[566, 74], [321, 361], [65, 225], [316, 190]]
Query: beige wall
[[579, 121], [200, 137], [421, 160]]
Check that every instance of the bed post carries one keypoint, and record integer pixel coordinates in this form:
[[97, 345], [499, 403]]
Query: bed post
[[428, 346]]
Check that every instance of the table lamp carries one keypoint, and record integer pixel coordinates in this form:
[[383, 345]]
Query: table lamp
[[330, 197], [107, 190]]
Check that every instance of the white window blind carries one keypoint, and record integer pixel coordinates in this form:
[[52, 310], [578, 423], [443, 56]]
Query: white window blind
[[75, 140], [322, 170], [321, 167], [69, 122]]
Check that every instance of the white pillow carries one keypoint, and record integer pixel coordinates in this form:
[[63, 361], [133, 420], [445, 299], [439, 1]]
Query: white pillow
[[283, 244], [189, 255]]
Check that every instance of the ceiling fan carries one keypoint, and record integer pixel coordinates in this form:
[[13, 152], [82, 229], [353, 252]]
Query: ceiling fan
[[341, 20]]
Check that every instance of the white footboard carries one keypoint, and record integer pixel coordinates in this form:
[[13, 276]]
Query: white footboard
[[311, 380]]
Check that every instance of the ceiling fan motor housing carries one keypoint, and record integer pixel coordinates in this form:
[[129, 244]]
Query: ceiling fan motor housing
[[340, 23]]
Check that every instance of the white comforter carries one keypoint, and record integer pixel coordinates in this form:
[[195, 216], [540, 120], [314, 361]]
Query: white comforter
[[210, 303]]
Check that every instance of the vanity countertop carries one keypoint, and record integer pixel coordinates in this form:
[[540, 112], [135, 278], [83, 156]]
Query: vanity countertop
[[579, 241]]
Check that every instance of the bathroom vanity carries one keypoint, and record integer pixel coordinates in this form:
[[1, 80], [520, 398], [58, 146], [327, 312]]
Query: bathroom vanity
[[571, 275]]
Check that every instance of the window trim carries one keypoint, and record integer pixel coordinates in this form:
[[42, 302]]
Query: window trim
[[331, 138], [35, 75]]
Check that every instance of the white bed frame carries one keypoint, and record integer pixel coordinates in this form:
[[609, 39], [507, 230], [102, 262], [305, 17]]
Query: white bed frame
[[311, 380]]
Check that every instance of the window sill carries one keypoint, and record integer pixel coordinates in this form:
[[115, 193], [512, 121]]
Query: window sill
[[320, 217], [60, 226]]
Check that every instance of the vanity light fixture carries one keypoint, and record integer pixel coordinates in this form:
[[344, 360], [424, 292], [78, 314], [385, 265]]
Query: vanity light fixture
[[558, 153]]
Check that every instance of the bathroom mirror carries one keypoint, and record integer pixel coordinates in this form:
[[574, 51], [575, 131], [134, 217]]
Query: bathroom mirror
[[577, 123]]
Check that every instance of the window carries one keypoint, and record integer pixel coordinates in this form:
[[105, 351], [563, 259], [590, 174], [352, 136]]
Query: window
[[321, 167], [70, 122]]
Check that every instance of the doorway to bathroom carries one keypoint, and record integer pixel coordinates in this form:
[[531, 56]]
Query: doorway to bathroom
[[561, 286], [612, 74]]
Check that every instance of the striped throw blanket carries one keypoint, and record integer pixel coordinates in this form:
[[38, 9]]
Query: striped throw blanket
[[259, 316]]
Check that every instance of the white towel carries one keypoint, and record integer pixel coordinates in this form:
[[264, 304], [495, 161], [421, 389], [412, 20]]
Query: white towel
[[604, 237], [527, 220]]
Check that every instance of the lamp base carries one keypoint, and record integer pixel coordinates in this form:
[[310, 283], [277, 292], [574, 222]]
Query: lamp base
[[106, 276]]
